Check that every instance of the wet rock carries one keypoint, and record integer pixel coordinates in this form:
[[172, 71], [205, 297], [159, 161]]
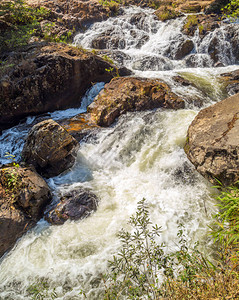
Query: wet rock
[[198, 60], [79, 126], [117, 56], [23, 196], [143, 39], [179, 48], [233, 36], [108, 40], [49, 77], [224, 46], [139, 21], [231, 82], [184, 49], [152, 63], [182, 81], [50, 148], [74, 205], [131, 94], [213, 141]]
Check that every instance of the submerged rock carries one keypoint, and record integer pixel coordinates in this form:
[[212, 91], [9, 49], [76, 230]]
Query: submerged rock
[[49, 77], [50, 148], [213, 141], [199, 60], [74, 205], [152, 63], [131, 94], [23, 195]]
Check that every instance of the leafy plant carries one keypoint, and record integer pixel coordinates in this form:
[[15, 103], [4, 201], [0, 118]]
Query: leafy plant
[[113, 71], [231, 10], [226, 227], [40, 291], [113, 5], [143, 270], [142, 261], [22, 22]]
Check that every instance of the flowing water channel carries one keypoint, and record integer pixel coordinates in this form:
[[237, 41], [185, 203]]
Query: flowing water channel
[[141, 156]]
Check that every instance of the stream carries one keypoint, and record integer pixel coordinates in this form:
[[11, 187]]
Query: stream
[[140, 156]]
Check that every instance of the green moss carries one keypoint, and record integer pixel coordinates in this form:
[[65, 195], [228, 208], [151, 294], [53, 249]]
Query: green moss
[[191, 21], [167, 14], [186, 146]]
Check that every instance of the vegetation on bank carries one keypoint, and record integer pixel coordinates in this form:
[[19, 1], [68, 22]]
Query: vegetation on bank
[[231, 10], [20, 22], [143, 270]]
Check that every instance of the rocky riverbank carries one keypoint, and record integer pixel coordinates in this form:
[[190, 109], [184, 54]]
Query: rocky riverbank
[[44, 76]]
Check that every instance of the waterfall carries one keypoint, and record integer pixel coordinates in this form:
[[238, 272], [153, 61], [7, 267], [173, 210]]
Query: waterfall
[[141, 156]]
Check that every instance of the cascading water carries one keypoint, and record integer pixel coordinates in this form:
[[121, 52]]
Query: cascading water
[[141, 156]]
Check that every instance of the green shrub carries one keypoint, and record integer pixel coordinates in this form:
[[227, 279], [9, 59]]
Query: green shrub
[[185, 273], [231, 10], [22, 21]]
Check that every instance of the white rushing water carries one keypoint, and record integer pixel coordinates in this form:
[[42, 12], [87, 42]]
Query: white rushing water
[[141, 156]]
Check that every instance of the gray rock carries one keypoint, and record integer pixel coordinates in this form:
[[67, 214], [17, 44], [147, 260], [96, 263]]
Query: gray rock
[[74, 205]]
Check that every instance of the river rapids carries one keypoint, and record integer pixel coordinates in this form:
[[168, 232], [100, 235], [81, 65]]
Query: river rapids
[[141, 156]]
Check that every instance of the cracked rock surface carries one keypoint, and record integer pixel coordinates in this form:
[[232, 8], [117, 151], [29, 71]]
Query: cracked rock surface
[[213, 141]]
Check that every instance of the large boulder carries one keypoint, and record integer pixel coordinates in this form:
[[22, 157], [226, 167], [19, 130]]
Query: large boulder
[[50, 148], [131, 94], [47, 78], [23, 196], [73, 205], [213, 141]]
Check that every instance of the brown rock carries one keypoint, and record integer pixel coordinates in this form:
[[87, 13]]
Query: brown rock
[[203, 23], [79, 126], [50, 77], [75, 14], [231, 82], [23, 195], [50, 148], [131, 94], [184, 49], [74, 205], [108, 40], [213, 141], [192, 7]]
